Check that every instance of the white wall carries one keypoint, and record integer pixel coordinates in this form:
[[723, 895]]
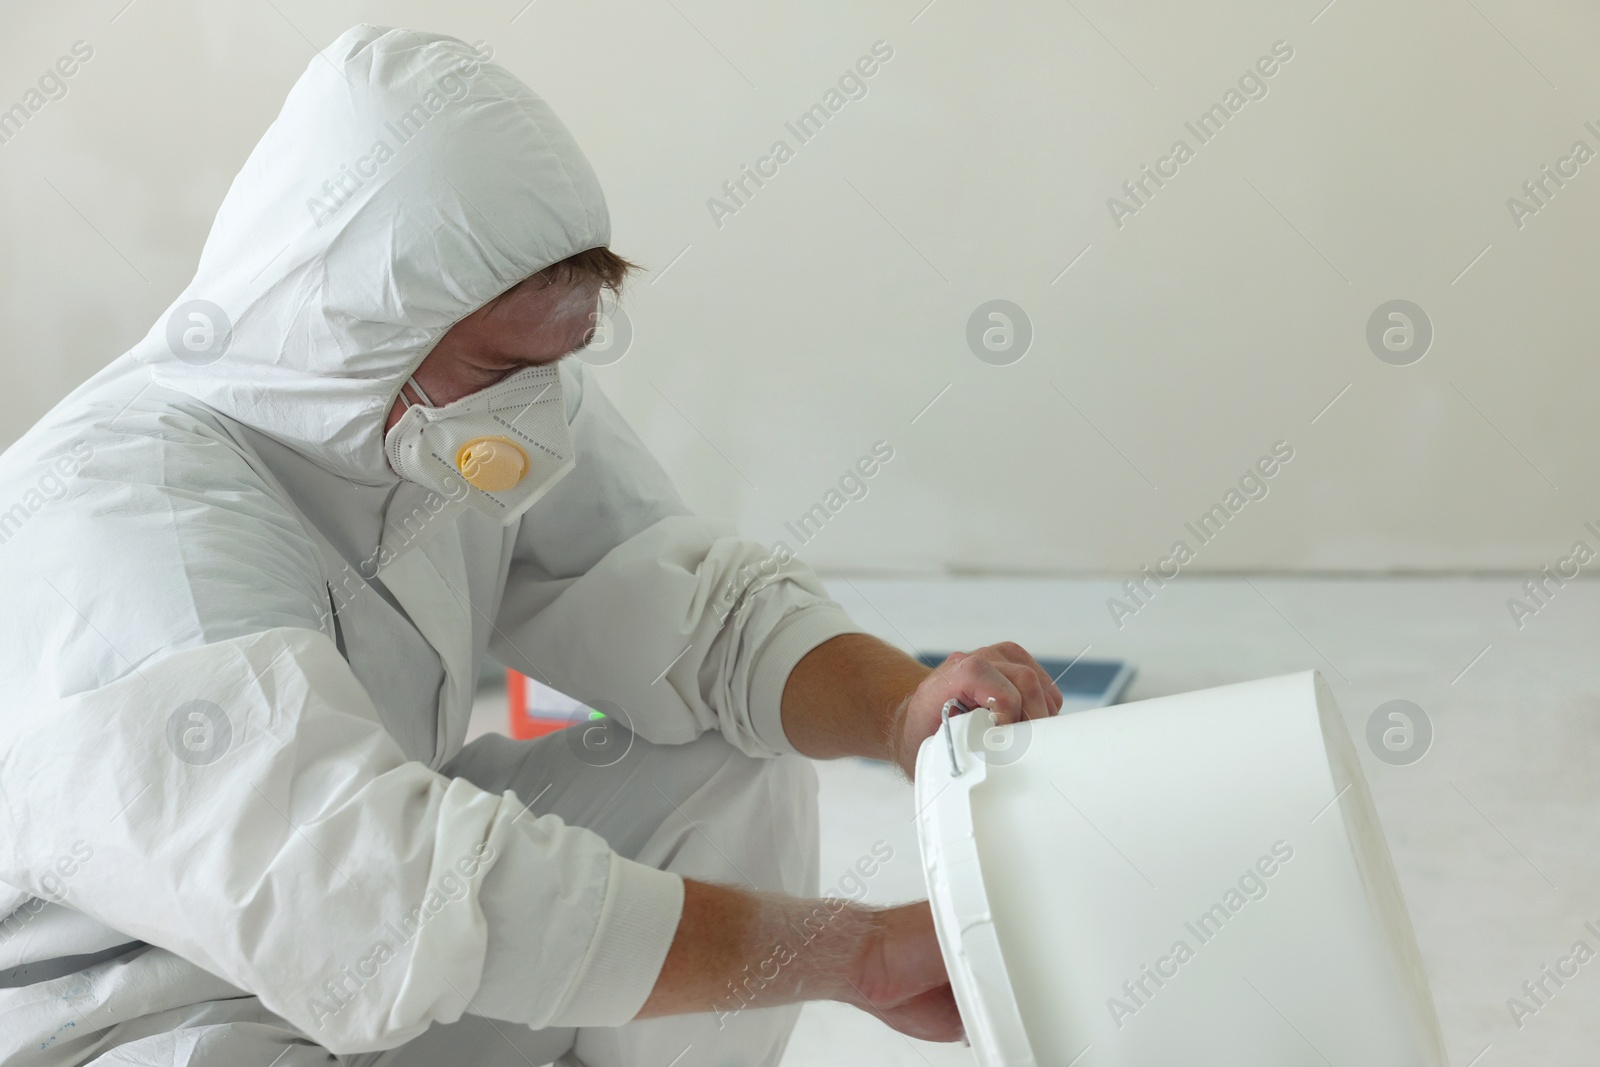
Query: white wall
[[826, 314]]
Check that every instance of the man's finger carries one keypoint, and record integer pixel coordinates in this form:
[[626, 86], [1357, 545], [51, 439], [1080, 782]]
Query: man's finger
[[1017, 654], [980, 683], [1040, 696], [1036, 701]]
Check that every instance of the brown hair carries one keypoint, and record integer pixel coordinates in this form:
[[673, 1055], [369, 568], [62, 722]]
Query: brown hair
[[593, 264]]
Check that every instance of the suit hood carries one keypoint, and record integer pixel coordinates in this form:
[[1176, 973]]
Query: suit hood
[[407, 181]]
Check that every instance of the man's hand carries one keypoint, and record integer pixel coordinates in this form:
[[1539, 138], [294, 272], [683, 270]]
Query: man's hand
[[901, 979], [1003, 679], [854, 695]]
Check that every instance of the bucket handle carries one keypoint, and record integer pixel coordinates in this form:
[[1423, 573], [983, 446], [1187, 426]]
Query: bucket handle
[[949, 738]]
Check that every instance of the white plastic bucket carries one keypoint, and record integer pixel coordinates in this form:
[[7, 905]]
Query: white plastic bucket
[[1197, 879]]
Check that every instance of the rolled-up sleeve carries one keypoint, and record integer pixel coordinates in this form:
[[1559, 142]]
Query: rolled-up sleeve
[[619, 596]]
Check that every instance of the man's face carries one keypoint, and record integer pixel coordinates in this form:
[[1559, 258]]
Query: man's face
[[528, 326]]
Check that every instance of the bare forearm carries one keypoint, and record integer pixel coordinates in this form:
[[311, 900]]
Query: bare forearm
[[737, 948], [844, 698], [854, 695]]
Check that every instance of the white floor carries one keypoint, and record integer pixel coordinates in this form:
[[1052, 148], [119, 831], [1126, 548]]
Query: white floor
[[1494, 832]]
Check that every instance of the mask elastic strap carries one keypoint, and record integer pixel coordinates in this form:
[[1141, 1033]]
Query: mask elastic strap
[[413, 383]]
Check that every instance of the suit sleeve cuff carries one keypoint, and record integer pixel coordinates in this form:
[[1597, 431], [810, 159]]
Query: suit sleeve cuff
[[637, 923], [795, 635]]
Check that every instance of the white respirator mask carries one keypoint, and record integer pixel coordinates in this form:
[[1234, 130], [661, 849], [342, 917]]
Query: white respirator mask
[[509, 443]]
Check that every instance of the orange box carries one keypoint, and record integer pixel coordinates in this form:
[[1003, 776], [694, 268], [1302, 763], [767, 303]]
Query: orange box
[[550, 710]]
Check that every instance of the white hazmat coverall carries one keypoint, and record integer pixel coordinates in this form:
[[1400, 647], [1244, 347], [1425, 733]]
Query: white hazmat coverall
[[238, 824]]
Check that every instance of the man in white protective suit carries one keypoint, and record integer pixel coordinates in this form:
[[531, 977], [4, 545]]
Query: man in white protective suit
[[252, 568]]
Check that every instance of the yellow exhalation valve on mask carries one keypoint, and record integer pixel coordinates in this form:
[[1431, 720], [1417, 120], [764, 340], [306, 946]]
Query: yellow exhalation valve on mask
[[492, 464]]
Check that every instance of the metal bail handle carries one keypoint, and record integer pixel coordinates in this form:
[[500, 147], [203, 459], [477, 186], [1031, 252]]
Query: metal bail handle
[[949, 738]]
